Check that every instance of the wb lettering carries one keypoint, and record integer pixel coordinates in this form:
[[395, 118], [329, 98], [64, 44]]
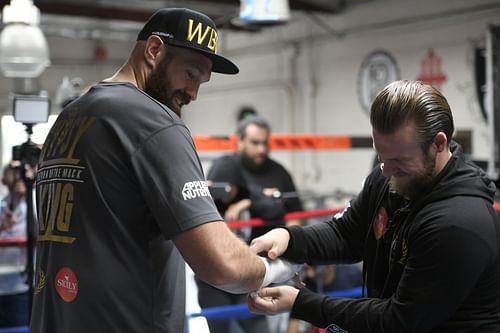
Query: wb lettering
[[212, 41]]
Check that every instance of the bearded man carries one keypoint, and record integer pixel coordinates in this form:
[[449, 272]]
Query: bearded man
[[423, 225]]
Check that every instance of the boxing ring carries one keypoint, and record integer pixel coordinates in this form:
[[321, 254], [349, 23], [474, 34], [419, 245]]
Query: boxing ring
[[232, 311]]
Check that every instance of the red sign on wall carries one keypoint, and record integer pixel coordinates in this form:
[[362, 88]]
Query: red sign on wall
[[431, 70]]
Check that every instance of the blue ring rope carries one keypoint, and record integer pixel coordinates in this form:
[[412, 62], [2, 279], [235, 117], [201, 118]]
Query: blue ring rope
[[221, 312]]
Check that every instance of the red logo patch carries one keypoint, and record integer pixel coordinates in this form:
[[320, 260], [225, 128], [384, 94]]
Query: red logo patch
[[66, 284], [380, 225]]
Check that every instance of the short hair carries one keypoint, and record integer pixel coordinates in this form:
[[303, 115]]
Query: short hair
[[251, 120], [404, 102]]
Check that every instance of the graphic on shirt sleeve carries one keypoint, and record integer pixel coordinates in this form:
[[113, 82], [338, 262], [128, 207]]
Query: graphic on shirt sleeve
[[195, 189], [380, 225], [66, 284], [57, 175], [335, 329]]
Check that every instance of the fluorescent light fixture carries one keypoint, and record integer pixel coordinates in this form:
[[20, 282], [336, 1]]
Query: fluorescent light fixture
[[264, 11]]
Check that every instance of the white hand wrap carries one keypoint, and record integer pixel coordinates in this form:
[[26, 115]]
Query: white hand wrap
[[278, 271]]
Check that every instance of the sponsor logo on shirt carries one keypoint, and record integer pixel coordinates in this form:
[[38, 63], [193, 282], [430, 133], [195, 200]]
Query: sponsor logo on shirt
[[341, 213], [399, 249], [380, 225], [335, 329], [41, 281], [66, 284], [404, 252], [195, 189]]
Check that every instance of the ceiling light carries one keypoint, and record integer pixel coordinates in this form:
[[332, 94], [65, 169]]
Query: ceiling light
[[264, 11], [24, 52]]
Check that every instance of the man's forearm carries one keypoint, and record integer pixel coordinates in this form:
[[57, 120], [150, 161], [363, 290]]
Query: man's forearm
[[250, 279], [220, 258]]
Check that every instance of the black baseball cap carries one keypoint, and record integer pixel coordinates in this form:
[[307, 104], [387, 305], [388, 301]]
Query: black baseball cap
[[190, 29]]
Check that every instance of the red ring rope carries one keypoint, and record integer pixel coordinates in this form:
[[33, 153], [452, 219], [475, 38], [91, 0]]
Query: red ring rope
[[21, 241]]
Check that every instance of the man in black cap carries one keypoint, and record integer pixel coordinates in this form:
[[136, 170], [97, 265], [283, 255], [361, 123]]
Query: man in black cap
[[122, 198]]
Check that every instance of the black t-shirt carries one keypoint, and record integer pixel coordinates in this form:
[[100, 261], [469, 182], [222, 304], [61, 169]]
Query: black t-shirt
[[118, 179], [271, 174]]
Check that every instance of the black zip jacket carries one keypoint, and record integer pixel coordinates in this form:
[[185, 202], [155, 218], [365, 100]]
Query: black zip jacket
[[430, 265]]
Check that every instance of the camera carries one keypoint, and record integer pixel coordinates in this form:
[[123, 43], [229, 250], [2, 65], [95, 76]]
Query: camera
[[27, 153], [29, 110]]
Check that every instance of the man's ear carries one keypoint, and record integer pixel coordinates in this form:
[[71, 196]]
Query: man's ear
[[441, 141], [152, 49]]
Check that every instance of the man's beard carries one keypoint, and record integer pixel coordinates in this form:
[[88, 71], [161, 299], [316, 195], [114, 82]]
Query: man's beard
[[158, 86], [250, 164], [417, 184]]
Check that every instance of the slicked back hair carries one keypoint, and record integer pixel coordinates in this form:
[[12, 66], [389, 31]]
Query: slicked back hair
[[412, 102]]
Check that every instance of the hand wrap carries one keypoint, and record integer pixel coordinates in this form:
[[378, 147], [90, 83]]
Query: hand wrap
[[278, 271]]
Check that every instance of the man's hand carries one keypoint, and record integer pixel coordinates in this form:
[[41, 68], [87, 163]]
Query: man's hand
[[272, 244], [234, 211], [279, 271], [271, 301]]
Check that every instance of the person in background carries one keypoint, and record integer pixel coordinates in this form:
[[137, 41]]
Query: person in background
[[122, 200], [13, 219], [266, 176], [423, 225], [234, 202], [263, 174]]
